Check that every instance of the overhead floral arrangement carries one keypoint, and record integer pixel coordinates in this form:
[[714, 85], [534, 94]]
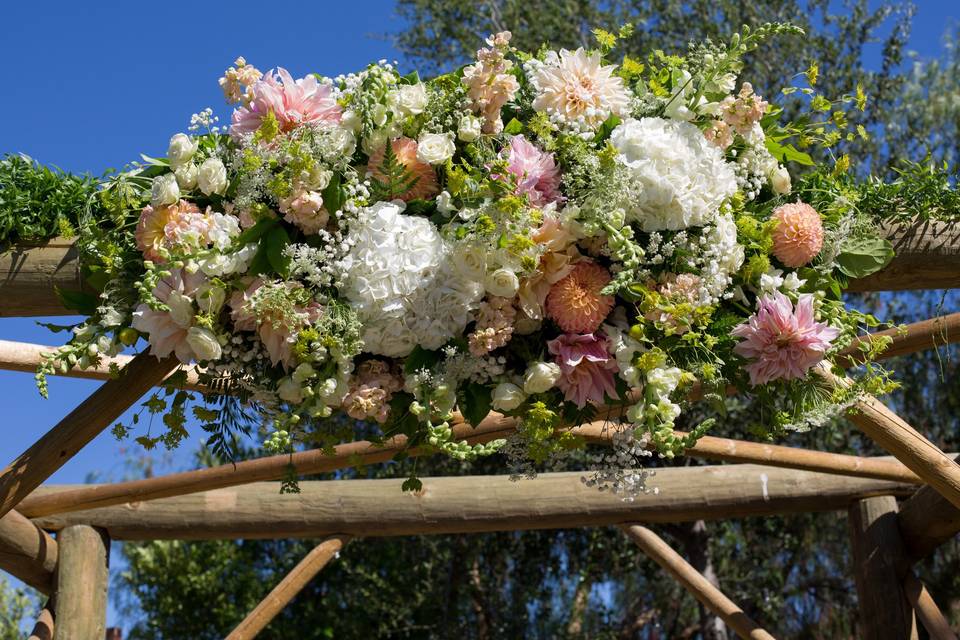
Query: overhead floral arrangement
[[535, 234]]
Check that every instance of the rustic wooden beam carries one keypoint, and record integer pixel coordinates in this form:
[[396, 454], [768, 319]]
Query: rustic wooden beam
[[289, 587], [28, 552], [43, 628], [695, 583], [30, 274], [927, 257], [81, 425], [472, 504], [914, 337], [926, 521], [877, 549], [926, 609], [82, 574]]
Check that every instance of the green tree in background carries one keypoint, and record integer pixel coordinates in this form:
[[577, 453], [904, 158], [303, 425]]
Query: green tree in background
[[793, 574]]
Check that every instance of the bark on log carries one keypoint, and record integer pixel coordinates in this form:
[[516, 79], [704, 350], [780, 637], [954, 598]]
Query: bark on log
[[83, 424], [82, 575], [885, 613], [917, 336], [43, 628], [31, 273], [292, 584], [926, 609], [27, 552], [472, 504], [926, 521], [927, 257], [695, 583]]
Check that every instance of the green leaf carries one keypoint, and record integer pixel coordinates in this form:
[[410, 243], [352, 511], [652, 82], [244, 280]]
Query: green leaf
[[276, 241], [606, 129], [788, 153], [411, 78], [420, 358], [475, 401], [254, 233], [860, 257], [82, 302], [260, 265], [513, 127], [332, 195]]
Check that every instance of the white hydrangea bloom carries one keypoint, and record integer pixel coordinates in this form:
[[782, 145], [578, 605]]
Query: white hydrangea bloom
[[684, 178], [397, 275]]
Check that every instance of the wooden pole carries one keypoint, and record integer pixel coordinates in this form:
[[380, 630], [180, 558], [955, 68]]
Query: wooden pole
[[289, 587], [695, 583], [43, 628], [81, 601], [877, 549], [31, 273], [28, 552], [927, 257], [926, 520], [473, 504], [918, 336], [926, 609], [71, 434]]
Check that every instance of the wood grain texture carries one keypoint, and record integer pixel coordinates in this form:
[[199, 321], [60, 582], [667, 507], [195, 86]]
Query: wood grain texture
[[926, 609], [43, 628], [926, 520], [472, 504], [81, 425], [27, 552], [695, 583], [292, 584], [885, 613], [31, 273], [927, 257], [82, 576]]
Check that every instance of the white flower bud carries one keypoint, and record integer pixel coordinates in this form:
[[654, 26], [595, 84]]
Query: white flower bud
[[290, 391], [181, 149], [541, 377], [187, 175], [507, 396], [469, 129], [203, 343], [780, 180]]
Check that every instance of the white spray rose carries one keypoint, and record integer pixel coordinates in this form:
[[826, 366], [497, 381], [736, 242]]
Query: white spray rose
[[187, 175], [351, 121], [165, 190], [410, 99], [435, 148], [204, 344], [212, 177], [290, 391], [507, 396], [210, 297], [502, 282], [469, 129], [343, 141], [541, 377], [780, 180], [470, 261], [181, 309], [181, 149]]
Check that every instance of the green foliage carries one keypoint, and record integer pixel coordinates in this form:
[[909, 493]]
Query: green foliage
[[17, 608]]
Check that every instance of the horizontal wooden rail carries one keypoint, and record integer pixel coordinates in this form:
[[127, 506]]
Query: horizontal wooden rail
[[927, 257], [472, 504], [27, 552]]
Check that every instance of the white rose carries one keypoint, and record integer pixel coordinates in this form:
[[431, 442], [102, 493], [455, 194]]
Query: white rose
[[435, 148], [780, 180], [187, 175], [379, 115], [181, 149], [507, 396], [212, 177], [165, 190], [181, 309], [210, 297], [351, 121], [502, 282], [410, 99], [469, 129], [470, 261], [374, 142], [204, 344], [290, 391], [540, 377], [343, 141]]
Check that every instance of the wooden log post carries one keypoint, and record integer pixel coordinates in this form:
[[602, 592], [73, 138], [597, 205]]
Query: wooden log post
[[695, 583], [926, 520], [473, 504], [914, 337], [292, 584], [43, 628], [82, 576], [926, 609], [877, 552], [30, 274], [927, 256], [28, 552], [81, 425]]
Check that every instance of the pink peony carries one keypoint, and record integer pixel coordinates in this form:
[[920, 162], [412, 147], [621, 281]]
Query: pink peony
[[536, 172], [167, 330], [781, 342], [586, 367], [293, 103], [798, 237], [575, 302], [426, 185]]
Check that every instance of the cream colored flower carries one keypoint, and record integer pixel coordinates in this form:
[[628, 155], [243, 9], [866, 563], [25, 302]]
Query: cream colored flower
[[578, 86]]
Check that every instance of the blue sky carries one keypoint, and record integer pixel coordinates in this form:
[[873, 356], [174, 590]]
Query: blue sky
[[94, 84]]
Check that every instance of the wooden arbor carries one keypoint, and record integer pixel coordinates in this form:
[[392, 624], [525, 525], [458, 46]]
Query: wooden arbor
[[56, 538]]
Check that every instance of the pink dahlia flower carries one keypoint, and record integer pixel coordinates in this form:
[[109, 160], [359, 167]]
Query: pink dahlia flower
[[575, 302], [783, 343], [169, 226], [293, 103], [798, 237], [586, 368], [536, 172], [405, 149]]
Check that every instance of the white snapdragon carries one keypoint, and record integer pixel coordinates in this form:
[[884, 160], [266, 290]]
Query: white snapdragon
[[435, 148], [503, 283], [181, 149], [507, 396], [212, 177], [204, 343], [540, 377], [164, 190]]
